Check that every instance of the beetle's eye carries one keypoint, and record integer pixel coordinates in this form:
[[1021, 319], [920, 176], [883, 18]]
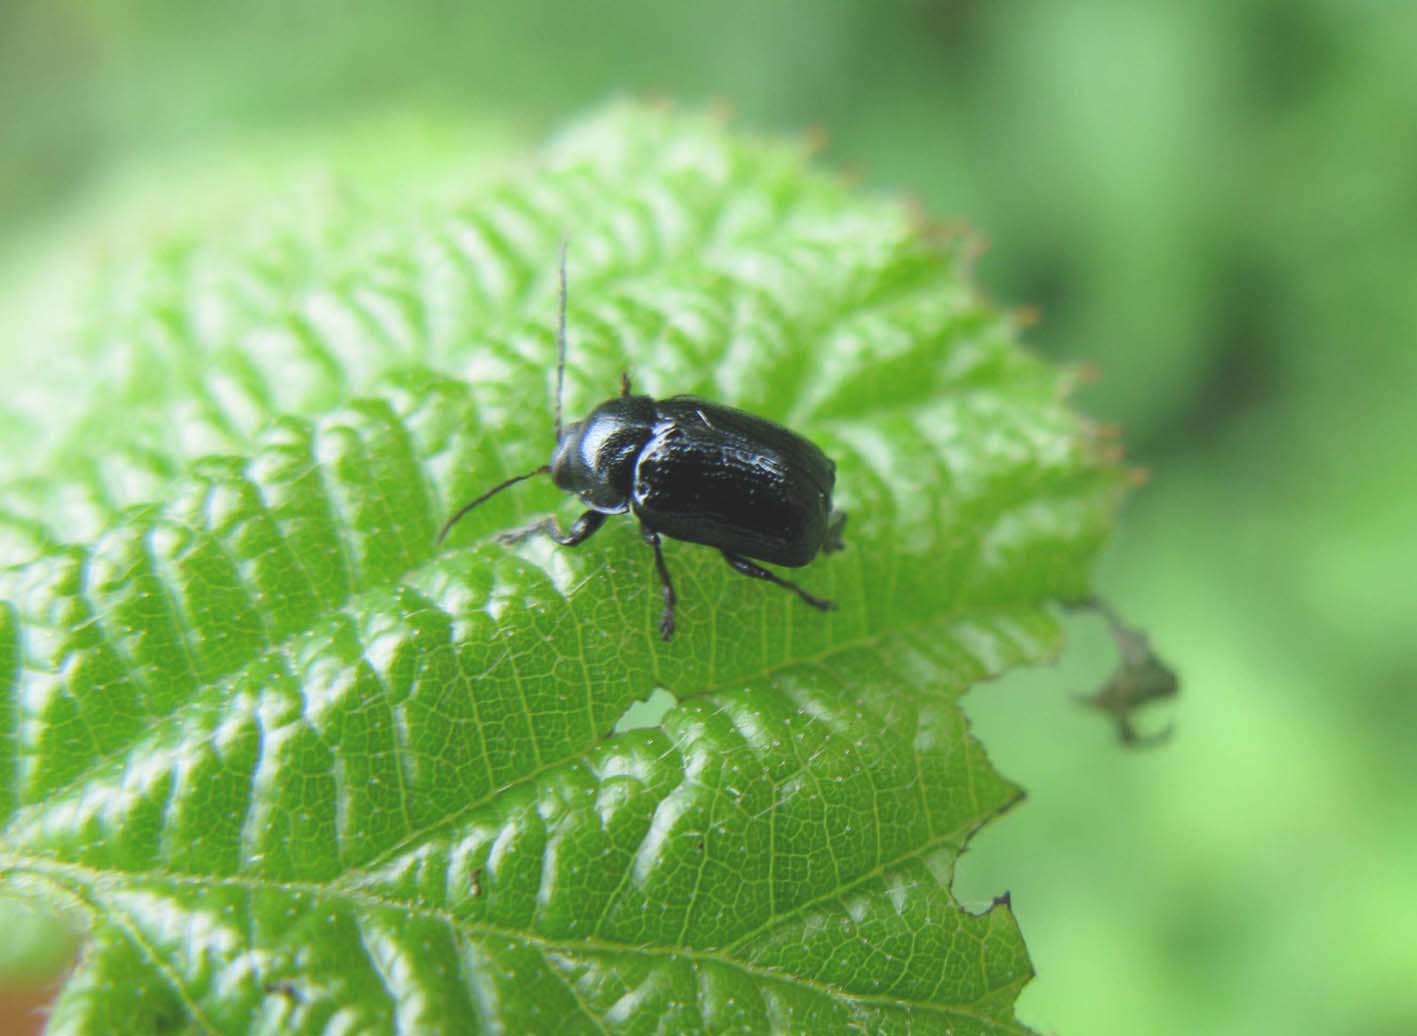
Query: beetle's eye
[[562, 457]]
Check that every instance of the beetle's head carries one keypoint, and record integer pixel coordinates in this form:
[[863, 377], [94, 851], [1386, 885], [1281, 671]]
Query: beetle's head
[[595, 458]]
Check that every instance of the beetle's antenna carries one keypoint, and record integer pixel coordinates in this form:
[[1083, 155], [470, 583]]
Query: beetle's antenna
[[543, 470], [561, 344]]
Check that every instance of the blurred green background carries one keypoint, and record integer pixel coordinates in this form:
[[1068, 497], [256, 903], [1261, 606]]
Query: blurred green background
[[1215, 204]]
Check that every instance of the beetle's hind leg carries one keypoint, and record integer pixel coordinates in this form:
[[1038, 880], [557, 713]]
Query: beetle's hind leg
[[666, 617], [582, 529], [742, 564], [835, 524]]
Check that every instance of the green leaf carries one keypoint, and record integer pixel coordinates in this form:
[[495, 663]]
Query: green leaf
[[304, 772]]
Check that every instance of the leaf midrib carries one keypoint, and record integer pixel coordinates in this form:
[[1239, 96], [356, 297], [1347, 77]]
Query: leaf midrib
[[34, 812], [60, 874]]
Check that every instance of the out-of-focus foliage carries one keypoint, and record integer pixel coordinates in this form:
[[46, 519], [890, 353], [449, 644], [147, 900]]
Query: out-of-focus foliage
[[1213, 203]]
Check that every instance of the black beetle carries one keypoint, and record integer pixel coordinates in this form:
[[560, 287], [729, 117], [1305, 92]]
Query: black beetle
[[690, 470]]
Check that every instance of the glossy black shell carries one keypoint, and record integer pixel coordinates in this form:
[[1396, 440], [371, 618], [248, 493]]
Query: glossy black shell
[[704, 473], [720, 477]]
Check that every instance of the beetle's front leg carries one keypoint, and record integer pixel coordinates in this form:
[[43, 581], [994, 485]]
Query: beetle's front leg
[[666, 618], [582, 529], [742, 564], [832, 543]]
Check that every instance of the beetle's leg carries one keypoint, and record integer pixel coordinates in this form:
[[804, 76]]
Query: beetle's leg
[[582, 529], [624, 383], [832, 543], [666, 618], [741, 564]]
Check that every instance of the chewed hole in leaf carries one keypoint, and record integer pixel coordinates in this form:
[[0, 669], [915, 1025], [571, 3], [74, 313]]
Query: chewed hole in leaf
[[646, 713]]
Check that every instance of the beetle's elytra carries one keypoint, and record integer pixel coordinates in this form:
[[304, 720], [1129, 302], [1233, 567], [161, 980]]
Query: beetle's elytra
[[690, 470]]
